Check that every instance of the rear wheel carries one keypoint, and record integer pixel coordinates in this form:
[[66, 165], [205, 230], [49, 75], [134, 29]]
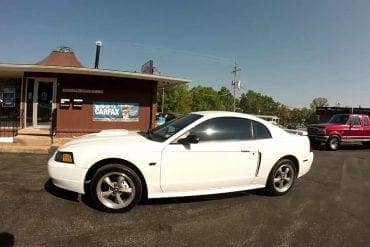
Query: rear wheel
[[333, 143], [282, 177], [115, 188]]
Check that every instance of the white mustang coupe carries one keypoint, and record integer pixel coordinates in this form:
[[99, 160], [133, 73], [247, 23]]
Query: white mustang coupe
[[196, 154]]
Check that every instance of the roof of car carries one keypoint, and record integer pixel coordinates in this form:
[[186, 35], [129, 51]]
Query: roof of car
[[226, 113], [275, 130]]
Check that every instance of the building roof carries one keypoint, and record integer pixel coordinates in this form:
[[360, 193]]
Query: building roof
[[337, 110], [17, 70], [62, 56], [64, 61]]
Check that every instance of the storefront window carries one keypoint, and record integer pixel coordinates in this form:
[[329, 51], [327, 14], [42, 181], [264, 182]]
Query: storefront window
[[10, 92]]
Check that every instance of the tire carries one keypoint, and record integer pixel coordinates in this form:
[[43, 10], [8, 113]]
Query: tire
[[315, 144], [366, 144], [333, 143], [281, 178], [115, 188]]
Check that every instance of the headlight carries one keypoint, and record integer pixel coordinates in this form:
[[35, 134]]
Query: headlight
[[65, 157], [321, 131]]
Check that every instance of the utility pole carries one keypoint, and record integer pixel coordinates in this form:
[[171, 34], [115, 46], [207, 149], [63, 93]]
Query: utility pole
[[235, 83], [162, 99]]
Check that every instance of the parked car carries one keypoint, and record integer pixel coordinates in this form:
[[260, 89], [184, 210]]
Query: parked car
[[340, 129], [197, 154], [292, 126]]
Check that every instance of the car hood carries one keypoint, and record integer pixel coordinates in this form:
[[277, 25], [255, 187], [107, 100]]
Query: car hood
[[322, 125], [108, 137], [297, 132]]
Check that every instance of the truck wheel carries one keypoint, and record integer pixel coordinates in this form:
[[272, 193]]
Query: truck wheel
[[333, 143], [315, 144], [366, 144]]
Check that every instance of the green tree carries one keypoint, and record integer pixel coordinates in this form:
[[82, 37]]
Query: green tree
[[256, 103], [226, 98], [308, 115], [319, 102], [205, 98], [283, 113], [177, 99]]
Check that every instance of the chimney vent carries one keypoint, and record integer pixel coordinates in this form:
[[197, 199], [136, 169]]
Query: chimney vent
[[97, 55]]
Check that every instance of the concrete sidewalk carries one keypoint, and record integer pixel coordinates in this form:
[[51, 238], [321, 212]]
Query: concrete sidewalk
[[32, 144]]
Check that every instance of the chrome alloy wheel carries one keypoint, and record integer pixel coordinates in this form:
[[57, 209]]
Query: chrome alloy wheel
[[115, 190], [334, 143], [283, 178]]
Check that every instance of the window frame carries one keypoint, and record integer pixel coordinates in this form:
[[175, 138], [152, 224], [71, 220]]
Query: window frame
[[263, 126], [250, 125]]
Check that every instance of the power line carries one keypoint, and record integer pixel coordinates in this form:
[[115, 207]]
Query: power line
[[222, 60]]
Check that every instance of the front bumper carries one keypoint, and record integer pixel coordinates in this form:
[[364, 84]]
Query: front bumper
[[67, 176], [305, 165], [318, 138]]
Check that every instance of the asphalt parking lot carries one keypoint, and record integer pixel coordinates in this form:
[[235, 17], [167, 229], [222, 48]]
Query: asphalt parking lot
[[328, 207]]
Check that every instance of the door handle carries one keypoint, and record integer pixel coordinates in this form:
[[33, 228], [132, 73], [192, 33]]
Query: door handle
[[245, 150]]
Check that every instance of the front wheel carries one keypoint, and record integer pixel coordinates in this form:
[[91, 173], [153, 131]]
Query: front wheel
[[281, 178], [366, 144], [315, 144], [115, 188], [333, 143]]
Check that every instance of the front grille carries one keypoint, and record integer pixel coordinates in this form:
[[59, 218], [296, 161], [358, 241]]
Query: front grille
[[312, 130]]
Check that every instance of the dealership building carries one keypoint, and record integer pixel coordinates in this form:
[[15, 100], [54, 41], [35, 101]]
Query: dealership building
[[58, 95]]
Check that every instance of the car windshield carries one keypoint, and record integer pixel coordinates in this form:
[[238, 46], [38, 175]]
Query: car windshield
[[339, 119], [165, 131]]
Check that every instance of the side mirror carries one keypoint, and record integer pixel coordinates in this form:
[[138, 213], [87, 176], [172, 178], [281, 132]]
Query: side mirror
[[351, 125], [190, 139]]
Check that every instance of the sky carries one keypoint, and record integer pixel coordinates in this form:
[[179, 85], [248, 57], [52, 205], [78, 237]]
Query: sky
[[291, 50]]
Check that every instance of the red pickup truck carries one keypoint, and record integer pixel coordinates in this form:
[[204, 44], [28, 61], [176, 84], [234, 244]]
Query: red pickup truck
[[341, 128]]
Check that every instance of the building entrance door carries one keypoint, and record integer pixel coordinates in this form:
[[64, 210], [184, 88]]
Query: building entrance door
[[41, 98]]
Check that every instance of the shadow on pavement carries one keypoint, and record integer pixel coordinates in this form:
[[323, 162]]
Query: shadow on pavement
[[67, 195], [88, 202], [6, 239], [73, 196], [349, 147], [61, 193], [190, 199]]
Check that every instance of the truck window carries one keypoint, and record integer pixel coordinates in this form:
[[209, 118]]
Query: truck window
[[339, 119], [355, 120], [365, 120]]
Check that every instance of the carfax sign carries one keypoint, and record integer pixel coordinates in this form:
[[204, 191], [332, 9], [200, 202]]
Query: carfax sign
[[113, 111]]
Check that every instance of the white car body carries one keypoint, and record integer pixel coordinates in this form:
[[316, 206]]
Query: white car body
[[171, 169]]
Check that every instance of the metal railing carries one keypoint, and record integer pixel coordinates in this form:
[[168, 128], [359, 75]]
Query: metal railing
[[8, 128]]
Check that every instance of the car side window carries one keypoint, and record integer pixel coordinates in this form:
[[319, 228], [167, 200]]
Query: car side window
[[260, 131], [365, 120], [222, 129], [355, 120]]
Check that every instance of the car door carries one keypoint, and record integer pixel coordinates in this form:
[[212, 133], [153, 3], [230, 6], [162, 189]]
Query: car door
[[355, 129], [224, 157], [366, 127]]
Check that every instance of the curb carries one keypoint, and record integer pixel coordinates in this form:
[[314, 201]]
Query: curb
[[26, 149]]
